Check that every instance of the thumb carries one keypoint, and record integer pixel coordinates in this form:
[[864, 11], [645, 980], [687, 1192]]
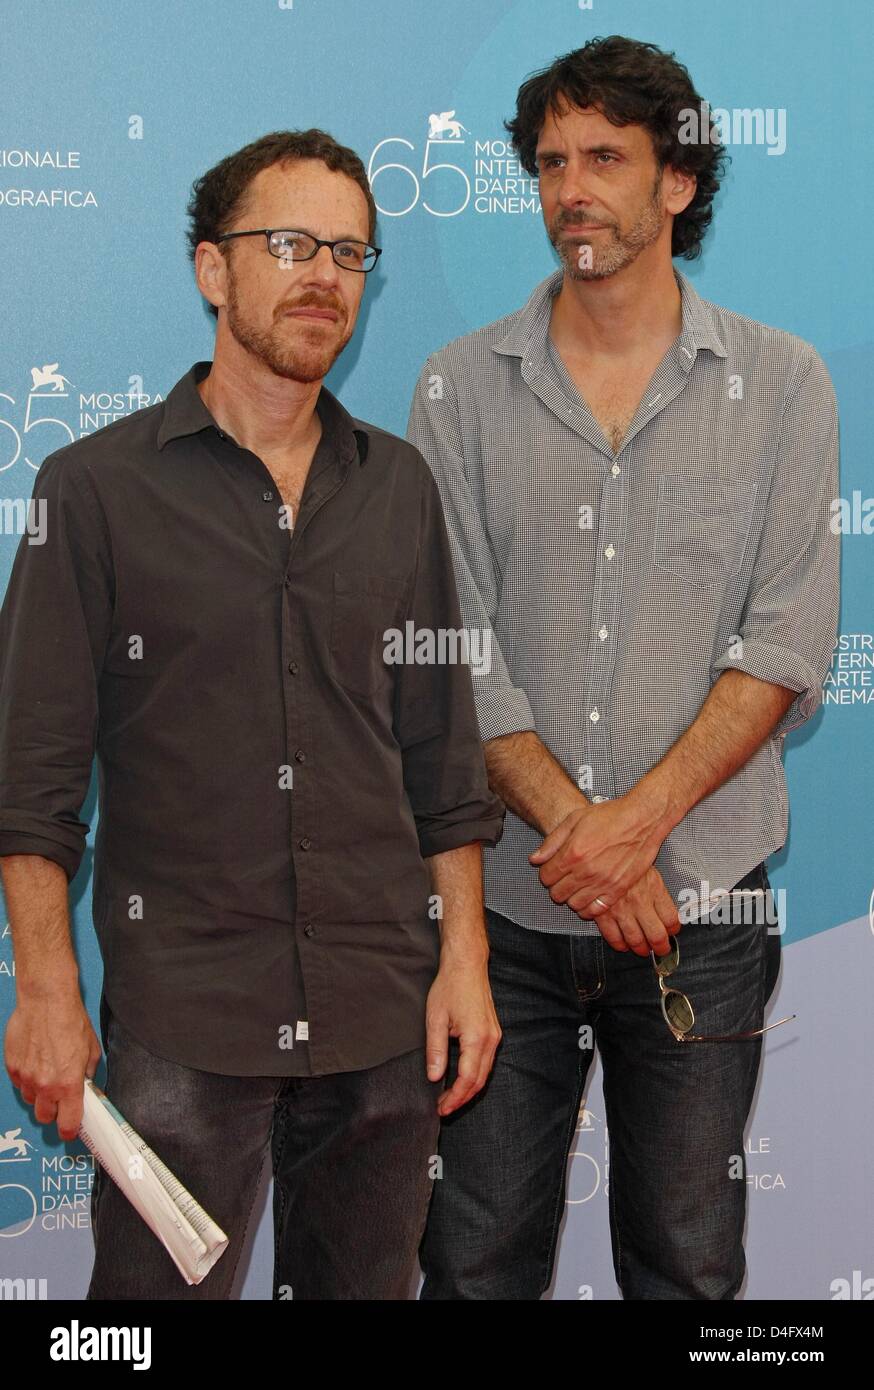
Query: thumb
[[547, 848], [437, 1046]]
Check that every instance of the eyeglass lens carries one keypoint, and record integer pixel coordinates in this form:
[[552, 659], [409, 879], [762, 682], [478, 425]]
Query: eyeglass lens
[[299, 246]]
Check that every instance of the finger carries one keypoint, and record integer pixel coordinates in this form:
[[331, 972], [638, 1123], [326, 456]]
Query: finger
[[666, 908], [563, 887], [653, 928], [605, 902], [609, 929], [462, 1087], [606, 924], [45, 1110], [69, 1115], [565, 863], [486, 1064], [466, 1079], [631, 932], [581, 900], [607, 896], [554, 841]]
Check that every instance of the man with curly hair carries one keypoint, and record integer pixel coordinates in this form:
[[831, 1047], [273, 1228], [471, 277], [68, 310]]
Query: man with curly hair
[[637, 484]]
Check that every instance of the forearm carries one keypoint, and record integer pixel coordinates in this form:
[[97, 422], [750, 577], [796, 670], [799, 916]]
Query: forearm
[[592, 861], [457, 879], [529, 780], [735, 719], [38, 905]]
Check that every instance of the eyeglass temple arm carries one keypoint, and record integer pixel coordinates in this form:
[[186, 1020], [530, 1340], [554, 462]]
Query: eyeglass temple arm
[[732, 1037]]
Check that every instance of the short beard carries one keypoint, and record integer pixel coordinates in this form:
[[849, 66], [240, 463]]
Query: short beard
[[296, 361], [619, 251]]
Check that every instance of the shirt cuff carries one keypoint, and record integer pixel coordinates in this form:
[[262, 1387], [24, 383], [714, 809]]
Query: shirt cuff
[[771, 663], [502, 710], [23, 842], [439, 836]]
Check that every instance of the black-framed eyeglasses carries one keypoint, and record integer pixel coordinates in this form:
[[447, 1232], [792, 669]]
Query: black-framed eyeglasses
[[678, 1012], [289, 245]]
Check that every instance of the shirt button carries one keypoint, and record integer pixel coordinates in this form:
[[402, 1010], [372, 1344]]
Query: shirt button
[[309, 929], [616, 470], [300, 756], [287, 581], [609, 552], [594, 716], [305, 842], [602, 633], [293, 667], [600, 798], [267, 496]]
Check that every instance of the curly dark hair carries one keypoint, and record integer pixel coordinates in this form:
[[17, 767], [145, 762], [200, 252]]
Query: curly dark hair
[[630, 83], [219, 196]]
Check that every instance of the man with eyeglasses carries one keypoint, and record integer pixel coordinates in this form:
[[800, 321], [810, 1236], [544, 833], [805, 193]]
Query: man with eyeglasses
[[208, 613], [637, 485]]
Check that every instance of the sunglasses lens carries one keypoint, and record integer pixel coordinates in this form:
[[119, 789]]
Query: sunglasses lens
[[667, 964], [678, 1010]]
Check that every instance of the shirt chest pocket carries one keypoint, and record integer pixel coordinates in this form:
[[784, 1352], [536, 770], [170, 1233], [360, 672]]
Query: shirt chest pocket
[[364, 606], [701, 527]]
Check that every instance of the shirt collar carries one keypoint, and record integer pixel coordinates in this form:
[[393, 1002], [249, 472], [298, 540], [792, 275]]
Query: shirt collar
[[186, 413], [527, 337]]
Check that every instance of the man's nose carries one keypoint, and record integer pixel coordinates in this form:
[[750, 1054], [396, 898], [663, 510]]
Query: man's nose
[[572, 192], [321, 268]]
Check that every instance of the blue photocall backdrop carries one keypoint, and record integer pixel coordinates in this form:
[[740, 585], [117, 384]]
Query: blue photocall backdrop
[[110, 110]]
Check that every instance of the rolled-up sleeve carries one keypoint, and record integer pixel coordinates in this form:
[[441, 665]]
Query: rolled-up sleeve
[[435, 723], [54, 627], [790, 619], [433, 426]]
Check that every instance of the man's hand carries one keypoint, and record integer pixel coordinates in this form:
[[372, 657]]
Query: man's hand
[[598, 852], [460, 1000], [460, 1006], [643, 920], [50, 1048]]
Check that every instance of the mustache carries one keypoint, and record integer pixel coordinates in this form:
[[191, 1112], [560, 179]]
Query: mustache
[[313, 300], [565, 225]]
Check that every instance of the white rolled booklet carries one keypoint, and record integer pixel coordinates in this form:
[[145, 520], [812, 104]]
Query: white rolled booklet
[[191, 1238]]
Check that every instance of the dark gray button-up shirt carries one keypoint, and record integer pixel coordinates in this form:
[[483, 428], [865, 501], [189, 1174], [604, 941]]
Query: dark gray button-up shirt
[[617, 588], [269, 786]]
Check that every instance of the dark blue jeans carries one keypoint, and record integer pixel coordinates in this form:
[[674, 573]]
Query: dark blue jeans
[[675, 1112], [351, 1156]]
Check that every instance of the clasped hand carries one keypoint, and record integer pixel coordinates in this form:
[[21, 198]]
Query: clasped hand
[[599, 862]]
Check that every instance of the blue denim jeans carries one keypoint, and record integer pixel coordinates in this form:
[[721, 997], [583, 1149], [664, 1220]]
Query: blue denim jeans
[[351, 1161], [675, 1112]]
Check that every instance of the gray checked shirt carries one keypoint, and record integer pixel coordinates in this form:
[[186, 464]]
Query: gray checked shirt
[[614, 589]]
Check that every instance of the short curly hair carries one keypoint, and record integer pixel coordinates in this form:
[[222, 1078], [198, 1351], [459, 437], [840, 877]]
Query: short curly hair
[[630, 83], [219, 196]]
